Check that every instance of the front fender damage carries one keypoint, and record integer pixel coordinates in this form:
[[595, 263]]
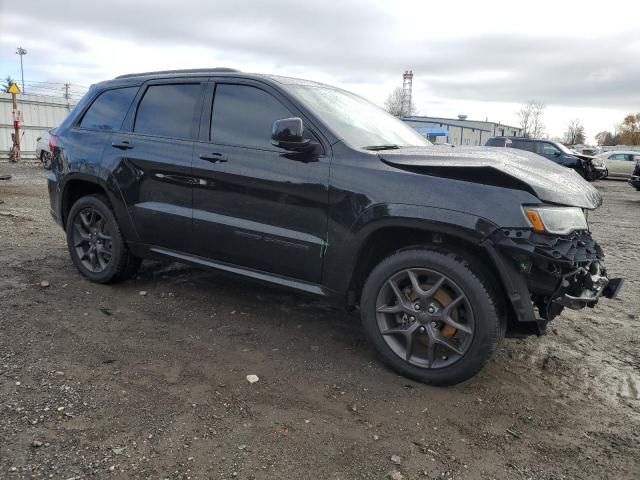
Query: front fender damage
[[559, 270]]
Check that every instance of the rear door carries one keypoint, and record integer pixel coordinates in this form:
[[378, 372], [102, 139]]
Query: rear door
[[86, 140], [257, 205], [523, 145], [154, 160]]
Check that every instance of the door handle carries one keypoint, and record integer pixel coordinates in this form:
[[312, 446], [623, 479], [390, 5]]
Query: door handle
[[122, 144], [213, 157]]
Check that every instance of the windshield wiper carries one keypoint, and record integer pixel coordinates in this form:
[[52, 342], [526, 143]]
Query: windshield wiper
[[390, 146]]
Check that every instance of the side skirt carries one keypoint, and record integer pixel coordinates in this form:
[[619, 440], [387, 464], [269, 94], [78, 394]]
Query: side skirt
[[147, 251]]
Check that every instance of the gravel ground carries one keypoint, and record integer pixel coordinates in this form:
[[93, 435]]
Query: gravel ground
[[110, 381]]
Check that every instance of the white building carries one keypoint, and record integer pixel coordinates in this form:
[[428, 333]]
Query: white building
[[39, 114], [460, 131]]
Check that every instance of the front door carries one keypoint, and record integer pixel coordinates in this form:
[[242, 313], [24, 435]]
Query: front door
[[256, 205]]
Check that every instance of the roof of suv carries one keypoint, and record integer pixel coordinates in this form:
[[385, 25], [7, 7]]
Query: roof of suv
[[522, 139], [160, 73], [137, 78]]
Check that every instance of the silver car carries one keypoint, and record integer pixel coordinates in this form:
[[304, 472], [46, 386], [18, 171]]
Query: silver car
[[619, 163], [42, 149]]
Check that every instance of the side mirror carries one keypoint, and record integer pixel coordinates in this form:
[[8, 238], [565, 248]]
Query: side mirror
[[287, 133], [557, 153]]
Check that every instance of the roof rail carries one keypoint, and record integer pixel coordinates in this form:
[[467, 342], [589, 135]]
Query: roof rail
[[189, 70]]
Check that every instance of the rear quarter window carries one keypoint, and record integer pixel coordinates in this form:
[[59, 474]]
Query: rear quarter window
[[108, 110]]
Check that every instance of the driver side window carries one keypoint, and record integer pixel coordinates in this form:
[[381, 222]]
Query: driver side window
[[547, 149], [243, 116]]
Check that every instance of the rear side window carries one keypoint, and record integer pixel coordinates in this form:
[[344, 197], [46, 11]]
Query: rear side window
[[622, 156], [529, 146], [168, 110], [107, 112], [244, 115]]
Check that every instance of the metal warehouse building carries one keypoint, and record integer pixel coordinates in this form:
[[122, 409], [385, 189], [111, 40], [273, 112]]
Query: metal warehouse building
[[39, 114], [460, 131]]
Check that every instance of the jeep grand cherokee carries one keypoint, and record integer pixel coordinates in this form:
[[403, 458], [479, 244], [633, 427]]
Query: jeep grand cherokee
[[443, 251]]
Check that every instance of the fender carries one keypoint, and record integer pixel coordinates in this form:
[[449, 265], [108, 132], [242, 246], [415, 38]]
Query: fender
[[103, 179], [464, 226], [340, 263]]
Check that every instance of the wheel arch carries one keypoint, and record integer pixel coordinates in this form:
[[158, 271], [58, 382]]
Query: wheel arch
[[78, 185], [384, 229], [389, 238]]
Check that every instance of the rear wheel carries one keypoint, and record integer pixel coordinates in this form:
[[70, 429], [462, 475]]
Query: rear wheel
[[45, 157], [95, 242], [431, 316]]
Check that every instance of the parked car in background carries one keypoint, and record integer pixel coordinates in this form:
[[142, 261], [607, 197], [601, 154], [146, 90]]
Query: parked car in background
[[442, 250], [42, 149], [619, 163], [599, 166], [634, 180], [554, 151]]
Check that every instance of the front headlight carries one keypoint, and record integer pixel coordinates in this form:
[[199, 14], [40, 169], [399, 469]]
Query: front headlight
[[556, 220]]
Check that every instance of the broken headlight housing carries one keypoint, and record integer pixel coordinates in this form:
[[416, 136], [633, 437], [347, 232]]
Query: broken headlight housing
[[556, 220]]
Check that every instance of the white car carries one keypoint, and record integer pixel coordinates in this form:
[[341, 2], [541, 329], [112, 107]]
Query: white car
[[620, 163], [42, 149]]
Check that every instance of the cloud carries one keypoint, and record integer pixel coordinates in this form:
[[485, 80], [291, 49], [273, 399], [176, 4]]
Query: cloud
[[480, 54]]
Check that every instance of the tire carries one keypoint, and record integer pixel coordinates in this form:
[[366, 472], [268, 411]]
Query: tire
[[481, 315], [45, 157], [115, 266]]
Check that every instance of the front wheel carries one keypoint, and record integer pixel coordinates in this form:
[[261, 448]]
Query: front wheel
[[431, 316]]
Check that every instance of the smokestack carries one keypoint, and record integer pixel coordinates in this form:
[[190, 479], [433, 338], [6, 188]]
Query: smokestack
[[407, 87]]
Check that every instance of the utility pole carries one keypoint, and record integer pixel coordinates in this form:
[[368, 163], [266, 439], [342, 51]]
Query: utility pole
[[15, 149], [22, 52], [66, 95]]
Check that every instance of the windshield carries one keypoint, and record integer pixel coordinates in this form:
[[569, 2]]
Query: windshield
[[565, 149], [355, 120]]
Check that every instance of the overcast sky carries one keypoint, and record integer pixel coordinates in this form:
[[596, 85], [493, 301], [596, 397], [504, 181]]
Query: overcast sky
[[483, 59]]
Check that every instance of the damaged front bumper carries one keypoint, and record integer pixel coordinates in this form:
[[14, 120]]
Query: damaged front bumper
[[557, 271]]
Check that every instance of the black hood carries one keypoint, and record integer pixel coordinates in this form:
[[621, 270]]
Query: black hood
[[549, 181]]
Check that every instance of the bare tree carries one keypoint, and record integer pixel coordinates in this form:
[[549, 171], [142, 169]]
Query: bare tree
[[6, 82], [606, 138], [531, 117], [575, 133], [394, 104]]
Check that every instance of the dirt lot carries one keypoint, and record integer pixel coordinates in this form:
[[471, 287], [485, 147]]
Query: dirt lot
[[104, 381]]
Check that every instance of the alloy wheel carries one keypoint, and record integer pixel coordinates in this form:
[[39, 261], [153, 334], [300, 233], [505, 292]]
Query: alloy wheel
[[92, 240], [425, 318]]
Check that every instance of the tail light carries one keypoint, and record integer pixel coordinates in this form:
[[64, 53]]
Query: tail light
[[53, 140]]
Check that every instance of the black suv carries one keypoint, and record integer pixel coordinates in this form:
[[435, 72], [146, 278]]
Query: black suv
[[586, 165], [306, 186]]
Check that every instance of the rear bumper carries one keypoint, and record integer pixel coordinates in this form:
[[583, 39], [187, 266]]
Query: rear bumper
[[55, 202]]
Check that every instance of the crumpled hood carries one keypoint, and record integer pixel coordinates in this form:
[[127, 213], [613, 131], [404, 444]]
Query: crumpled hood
[[549, 181]]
